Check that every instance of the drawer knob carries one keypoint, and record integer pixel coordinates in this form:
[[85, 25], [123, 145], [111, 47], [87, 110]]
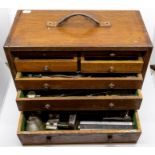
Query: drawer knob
[[111, 69], [47, 106], [112, 54], [111, 105], [46, 86], [111, 85], [44, 54], [109, 137], [48, 138], [46, 68]]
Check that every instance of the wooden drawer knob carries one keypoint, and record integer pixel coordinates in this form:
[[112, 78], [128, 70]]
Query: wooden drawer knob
[[111, 105], [48, 138], [112, 54], [46, 68], [44, 54], [46, 86], [109, 137], [47, 106], [111, 85], [111, 69]]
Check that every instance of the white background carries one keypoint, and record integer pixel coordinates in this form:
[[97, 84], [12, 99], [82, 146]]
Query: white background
[[147, 8]]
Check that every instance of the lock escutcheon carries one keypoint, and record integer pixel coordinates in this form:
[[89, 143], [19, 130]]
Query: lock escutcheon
[[109, 137], [48, 138]]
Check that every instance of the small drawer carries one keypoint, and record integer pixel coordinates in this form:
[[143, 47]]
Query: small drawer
[[46, 65], [111, 66], [78, 100], [62, 81], [111, 134]]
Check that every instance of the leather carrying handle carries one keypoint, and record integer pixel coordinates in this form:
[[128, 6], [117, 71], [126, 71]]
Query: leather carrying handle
[[66, 18]]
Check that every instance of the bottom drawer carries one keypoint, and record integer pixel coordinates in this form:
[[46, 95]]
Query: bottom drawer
[[89, 127]]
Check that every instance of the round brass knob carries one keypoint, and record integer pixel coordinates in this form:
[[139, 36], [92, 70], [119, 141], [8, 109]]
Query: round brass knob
[[111, 105], [46, 86], [47, 106], [112, 54], [111, 69], [46, 68], [111, 85]]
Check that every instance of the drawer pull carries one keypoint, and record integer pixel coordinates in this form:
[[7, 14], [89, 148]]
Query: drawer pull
[[111, 105], [111, 85], [48, 138], [46, 86], [47, 106], [109, 137], [111, 69], [46, 68], [112, 54]]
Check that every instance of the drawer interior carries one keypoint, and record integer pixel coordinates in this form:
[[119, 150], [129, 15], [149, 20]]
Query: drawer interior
[[76, 93], [52, 59], [102, 58], [78, 121], [76, 75], [93, 58]]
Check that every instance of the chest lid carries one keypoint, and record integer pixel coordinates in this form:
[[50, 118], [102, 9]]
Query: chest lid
[[78, 29]]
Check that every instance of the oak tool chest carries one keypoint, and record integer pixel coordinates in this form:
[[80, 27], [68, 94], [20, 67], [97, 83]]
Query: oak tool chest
[[78, 75]]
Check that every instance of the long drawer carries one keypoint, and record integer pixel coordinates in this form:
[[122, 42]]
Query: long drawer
[[111, 66], [46, 65], [122, 99], [78, 136], [112, 82]]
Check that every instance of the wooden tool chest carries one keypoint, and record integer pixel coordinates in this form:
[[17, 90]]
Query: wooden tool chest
[[89, 64]]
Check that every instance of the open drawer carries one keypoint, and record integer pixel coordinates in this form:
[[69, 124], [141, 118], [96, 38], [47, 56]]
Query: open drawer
[[73, 81], [78, 100], [87, 128], [99, 65], [46, 65]]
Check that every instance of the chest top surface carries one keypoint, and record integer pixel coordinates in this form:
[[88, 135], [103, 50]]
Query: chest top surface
[[107, 29]]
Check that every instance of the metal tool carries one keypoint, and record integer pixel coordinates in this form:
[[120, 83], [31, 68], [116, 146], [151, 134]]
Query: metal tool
[[32, 94], [54, 122], [34, 124], [97, 125], [72, 120], [55, 75], [125, 118]]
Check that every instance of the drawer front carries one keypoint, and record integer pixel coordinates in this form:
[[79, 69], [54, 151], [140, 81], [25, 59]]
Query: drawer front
[[46, 65], [74, 103], [111, 66], [78, 136], [85, 138], [25, 83]]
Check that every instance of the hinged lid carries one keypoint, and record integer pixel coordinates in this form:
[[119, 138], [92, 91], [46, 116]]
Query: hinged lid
[[78, 29]]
